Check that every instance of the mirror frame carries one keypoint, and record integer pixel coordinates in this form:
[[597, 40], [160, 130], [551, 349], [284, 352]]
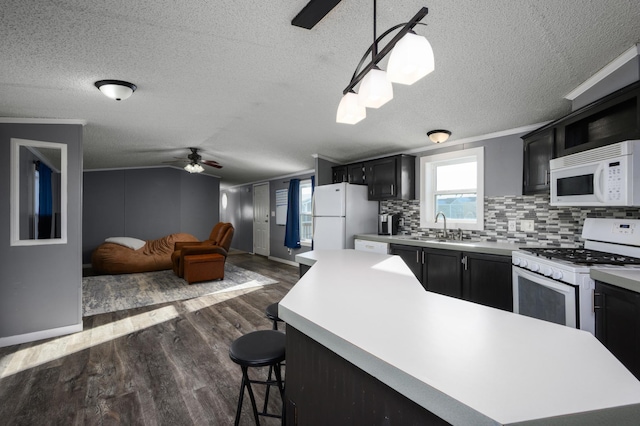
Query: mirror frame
[[15, 192]]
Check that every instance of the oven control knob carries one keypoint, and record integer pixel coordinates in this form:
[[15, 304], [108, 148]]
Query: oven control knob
[[557, 275], [516, 261], [523, 263], [546, 271], [535, 267]]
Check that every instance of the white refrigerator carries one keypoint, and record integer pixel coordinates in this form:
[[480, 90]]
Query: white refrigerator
[[340, 211]]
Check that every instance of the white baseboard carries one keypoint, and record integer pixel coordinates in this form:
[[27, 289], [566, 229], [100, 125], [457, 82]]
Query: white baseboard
[[288, 262], [39, 335]]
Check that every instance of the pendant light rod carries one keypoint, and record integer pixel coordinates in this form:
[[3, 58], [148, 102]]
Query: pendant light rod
[[374, 52], [378, 56]]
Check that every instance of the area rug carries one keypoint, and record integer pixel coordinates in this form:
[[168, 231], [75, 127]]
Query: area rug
[[110, 293]]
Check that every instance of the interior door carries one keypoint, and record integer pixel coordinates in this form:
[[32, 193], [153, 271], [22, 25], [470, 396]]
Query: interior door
[[261, 219]]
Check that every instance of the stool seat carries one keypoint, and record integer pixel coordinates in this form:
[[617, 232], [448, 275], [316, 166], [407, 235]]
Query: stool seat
[[259, 348]]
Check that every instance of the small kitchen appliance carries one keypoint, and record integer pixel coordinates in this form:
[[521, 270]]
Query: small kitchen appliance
[[553, 283], [601, 176], [388, 224]]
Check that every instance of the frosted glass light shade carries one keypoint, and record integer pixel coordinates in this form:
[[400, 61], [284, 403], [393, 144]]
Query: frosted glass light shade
[[375, 89], [410, 60], [194, 168], [116, 89], [349, 112]]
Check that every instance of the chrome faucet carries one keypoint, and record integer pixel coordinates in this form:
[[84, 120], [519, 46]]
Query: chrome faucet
[[445, 234]]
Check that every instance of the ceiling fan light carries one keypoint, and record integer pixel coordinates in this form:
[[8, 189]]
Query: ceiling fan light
[[116, 89], [349, 111], [439, 136], [375, 89], [194, 168], [410, 60]]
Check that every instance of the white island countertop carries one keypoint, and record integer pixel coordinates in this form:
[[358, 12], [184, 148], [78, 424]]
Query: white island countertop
[[466, 363]]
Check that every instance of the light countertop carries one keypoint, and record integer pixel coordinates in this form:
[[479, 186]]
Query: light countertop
[[621, 277], [467, 363], [487, 247]]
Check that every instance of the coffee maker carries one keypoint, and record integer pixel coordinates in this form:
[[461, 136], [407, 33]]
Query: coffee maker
[[388, 223]]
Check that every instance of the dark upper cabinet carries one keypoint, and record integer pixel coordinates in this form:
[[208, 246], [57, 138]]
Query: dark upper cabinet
[[612, 119], [355, 173], [391, 178], [538, 151], [618, 323], [339, 174], [487, 280], [442, 272]]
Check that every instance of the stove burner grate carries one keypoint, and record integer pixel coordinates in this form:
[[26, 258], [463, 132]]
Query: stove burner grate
[[584, 256]]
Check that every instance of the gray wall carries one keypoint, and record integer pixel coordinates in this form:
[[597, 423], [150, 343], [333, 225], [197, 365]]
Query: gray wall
[[324, 172], [239, 212], [502, 164], [147, 204], [41, 286]]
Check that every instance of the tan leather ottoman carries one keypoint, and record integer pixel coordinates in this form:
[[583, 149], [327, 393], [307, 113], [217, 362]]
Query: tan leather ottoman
[[203, 267]]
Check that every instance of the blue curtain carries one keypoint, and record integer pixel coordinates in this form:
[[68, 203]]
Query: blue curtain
[[45, 199], [292, 228]]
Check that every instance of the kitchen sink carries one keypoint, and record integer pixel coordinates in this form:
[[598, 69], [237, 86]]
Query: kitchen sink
[[430, 239]]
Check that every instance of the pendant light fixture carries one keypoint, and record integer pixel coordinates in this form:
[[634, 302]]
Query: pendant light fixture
[[116, 89], [413, 61], [349, 111]]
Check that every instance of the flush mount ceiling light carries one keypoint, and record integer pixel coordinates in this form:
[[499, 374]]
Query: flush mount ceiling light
[[411, 59], [116, 89], [438, 136]]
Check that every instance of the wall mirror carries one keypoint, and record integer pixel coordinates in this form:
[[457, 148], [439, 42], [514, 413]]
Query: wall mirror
[[38, 193]]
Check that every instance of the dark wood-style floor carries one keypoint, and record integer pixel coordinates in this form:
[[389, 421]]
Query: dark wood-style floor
[[159, 365]]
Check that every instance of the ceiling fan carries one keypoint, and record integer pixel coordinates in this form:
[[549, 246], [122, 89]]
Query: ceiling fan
[[195, 162]]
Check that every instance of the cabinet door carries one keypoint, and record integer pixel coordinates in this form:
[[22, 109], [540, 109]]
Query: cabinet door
[[486, 279], [412, 256], [618, 324], [339, 174], [538, 151], [355, 173], [442, 272], [381, 178]]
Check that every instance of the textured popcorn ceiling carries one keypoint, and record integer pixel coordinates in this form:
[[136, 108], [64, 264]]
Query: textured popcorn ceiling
[[259, 95]]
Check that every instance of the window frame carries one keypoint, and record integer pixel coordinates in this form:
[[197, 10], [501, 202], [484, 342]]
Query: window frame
[[304, 183], [428, 165]]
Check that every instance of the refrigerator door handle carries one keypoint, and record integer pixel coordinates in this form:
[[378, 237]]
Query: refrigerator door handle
[[313, 216]]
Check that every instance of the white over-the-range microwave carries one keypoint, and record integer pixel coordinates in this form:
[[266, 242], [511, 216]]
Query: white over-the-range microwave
[[598, 177]]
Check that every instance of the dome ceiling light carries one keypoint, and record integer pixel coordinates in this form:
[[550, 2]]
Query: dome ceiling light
[[116, 89], [439, 136]]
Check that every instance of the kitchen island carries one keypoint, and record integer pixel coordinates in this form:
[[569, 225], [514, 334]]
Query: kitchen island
[[457, 361]]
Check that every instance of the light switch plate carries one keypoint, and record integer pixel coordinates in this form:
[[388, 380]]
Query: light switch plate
[[526, 225], [512, 226]]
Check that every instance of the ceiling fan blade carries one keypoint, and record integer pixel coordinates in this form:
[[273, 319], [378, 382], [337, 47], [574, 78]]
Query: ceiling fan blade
[[211, 164], [180, 160]]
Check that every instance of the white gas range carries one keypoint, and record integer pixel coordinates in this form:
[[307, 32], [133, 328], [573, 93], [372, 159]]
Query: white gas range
[[553, 284]]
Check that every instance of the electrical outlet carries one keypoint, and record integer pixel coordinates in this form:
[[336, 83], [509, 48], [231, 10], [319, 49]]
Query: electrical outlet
[[526, 225], [512, 226]]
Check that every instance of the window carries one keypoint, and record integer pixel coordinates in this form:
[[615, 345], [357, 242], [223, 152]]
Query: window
[[306, 231], [453, 183]]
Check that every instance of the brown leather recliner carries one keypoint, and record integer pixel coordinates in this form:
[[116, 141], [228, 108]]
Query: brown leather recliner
[[219, 242]]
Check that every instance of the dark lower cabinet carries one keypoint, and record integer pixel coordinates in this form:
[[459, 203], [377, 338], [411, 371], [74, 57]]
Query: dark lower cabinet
[[442, 272], [412, 256], [325, 389], [476, 277], [618, 323], [487, 280]]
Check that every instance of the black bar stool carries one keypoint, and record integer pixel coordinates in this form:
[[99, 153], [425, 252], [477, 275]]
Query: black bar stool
[[272, 314], [259, 349]]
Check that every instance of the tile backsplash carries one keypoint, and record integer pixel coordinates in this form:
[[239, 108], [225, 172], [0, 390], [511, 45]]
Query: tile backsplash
[[553, 226]]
